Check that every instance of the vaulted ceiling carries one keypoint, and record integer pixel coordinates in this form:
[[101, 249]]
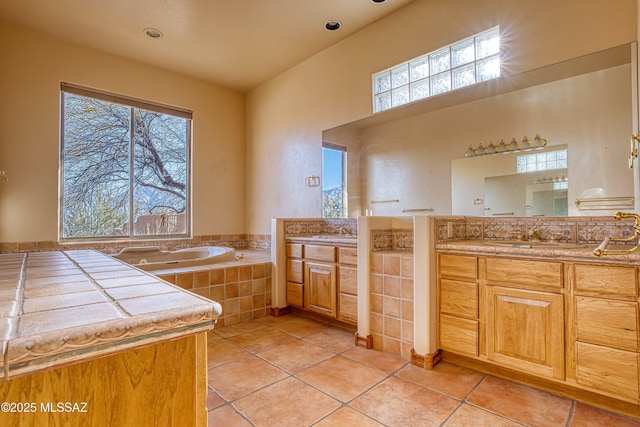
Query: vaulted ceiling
[[235, 43]]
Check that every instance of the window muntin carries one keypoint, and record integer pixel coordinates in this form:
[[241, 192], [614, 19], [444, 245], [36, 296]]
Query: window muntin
[[452, 67], [334, 187], [124, 167]]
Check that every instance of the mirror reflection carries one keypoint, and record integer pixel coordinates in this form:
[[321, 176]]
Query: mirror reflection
[[525, 183]]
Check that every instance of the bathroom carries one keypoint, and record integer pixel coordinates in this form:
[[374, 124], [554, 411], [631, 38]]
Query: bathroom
[[406, 154]]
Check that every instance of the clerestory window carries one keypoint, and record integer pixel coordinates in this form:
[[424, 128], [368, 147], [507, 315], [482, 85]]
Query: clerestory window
[[467, 62], [124, 167]]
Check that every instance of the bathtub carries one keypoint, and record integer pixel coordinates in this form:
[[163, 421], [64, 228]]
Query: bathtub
[[153, 258]]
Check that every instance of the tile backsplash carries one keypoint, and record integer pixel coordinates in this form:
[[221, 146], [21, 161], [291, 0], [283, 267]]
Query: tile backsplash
[[236, 241], [580, 230]]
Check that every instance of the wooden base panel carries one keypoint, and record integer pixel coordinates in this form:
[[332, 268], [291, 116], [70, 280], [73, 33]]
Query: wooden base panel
[[323, 319], [280, 311], [427, 361], [162, 383], [585, 396], [365, 342]]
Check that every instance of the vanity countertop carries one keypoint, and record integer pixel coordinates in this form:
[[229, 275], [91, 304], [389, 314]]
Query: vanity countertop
[[324, 239], [569, 252], [61, 307]]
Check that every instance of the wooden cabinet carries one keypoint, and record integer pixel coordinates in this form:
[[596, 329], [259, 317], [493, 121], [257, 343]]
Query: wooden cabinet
[[348, 285], [295, 275], [320, 288], [569, 322], [525, 330], [525, 315], [607, 351], [458, 301], [323, 279]]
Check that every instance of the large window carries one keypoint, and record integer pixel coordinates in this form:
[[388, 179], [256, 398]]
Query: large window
[[334, 188], [125, 167], [467, 62]]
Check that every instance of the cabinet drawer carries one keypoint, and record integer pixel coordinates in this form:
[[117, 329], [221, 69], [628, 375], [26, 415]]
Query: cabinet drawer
[[459, 298], [607, 322], [320, 253], [607, 280], [295, 294], [294, 250], [348, 280], [295, 270], [610, 370], [349, 308], [458, 265], [527, 273], [459, 335], [348, 256]]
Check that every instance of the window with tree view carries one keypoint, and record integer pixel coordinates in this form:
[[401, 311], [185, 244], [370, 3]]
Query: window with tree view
[[125, 167]]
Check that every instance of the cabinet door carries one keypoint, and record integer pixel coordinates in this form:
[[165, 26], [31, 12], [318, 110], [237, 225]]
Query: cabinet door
[[525, 330], [320, 288]]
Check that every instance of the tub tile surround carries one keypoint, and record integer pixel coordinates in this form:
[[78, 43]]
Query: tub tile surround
[[236, 241], [242, 288], [579, 230], [82, 309]]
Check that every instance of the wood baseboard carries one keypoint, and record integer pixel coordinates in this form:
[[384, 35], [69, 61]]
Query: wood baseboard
[[280, 311], [366, 342], [566, 390], [428, 361]]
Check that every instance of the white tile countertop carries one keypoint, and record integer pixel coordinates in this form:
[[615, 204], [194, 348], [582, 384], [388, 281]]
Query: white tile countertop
[[60, 307]]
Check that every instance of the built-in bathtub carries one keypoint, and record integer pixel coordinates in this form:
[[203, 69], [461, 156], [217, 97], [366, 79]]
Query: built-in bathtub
[[153, 258]]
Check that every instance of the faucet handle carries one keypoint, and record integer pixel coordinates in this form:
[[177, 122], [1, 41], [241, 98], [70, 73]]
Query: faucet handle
[[519, 235]]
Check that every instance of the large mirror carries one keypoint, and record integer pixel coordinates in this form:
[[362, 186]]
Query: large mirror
[[412, 159]]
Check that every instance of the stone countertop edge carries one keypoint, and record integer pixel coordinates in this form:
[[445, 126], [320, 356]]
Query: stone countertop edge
[[580, 253], [329, 241], [52, 349], [39, 351]]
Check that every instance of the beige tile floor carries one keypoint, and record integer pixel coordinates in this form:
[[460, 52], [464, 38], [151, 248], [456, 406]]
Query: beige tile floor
[[291, 371]]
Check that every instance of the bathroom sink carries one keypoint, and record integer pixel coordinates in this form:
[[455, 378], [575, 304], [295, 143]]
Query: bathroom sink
[[532, 245]]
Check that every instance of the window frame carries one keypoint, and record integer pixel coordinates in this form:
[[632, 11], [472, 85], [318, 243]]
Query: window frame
[[344, 195], [399, 89], [133, 104]]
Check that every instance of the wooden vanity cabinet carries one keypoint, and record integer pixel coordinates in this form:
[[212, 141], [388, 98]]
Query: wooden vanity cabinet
[[458, 301], [320, 280], [607, 345], [525, 315], [295, 275], [348, 285], [323, 279]]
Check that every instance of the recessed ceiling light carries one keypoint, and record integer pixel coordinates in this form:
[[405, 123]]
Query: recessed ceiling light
[[153, 33], [332, 25]]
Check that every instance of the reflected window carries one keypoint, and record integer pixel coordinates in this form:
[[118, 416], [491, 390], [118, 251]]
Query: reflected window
[[334, 187], [467, 62], [548, 160]]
